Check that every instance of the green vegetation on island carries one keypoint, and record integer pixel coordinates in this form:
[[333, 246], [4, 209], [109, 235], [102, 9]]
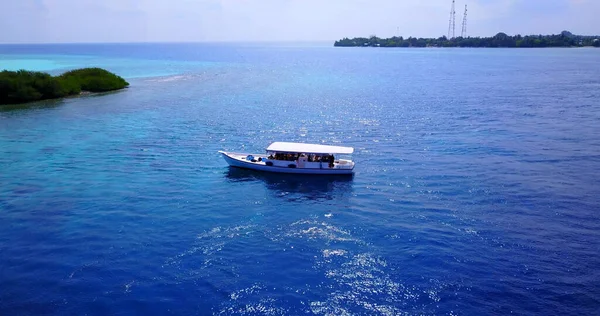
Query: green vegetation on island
[[26, 86], [564, 39]]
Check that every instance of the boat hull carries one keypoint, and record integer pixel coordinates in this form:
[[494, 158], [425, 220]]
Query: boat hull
[[237, 160]]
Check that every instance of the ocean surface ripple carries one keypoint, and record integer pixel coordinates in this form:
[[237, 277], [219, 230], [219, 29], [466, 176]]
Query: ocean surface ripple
[[476, 189]]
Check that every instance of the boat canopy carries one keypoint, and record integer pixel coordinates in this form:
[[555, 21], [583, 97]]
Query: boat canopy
[[308, 148]]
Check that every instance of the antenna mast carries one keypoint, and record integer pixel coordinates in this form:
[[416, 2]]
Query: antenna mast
[[452, 22], [463, 33]]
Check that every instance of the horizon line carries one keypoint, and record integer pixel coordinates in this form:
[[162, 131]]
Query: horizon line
[[259, 41], [170, 42]]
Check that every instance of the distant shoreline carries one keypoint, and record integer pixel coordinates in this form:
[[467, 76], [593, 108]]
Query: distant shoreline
[[501, 40]]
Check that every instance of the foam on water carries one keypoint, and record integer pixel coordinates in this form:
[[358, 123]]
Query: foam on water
[[351, 280]]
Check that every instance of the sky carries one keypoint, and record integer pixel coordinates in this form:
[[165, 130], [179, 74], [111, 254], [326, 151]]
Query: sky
[[74, 21]]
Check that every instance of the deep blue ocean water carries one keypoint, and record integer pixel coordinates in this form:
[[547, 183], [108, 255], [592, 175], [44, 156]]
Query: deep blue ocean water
[[476, 189]]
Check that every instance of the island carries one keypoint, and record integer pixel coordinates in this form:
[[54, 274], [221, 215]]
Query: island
[[564, 39], [27, 86]]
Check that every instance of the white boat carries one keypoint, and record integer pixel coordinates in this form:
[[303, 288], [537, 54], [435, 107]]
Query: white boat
[[284, 157]]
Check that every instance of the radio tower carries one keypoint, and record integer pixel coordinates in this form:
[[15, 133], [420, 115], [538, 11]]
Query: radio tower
[[463, 33], [452, 23]]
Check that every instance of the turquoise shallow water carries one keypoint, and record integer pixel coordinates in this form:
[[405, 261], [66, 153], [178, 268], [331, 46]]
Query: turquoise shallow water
[[475, 190]]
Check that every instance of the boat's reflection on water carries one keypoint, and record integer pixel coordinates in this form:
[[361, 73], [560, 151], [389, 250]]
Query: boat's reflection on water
[[307, 186]]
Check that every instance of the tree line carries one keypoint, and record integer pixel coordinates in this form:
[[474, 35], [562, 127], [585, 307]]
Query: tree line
[[564, 39], [27, 86]]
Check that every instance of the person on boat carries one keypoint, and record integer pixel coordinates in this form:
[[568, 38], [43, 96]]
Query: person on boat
[[331, 160]]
